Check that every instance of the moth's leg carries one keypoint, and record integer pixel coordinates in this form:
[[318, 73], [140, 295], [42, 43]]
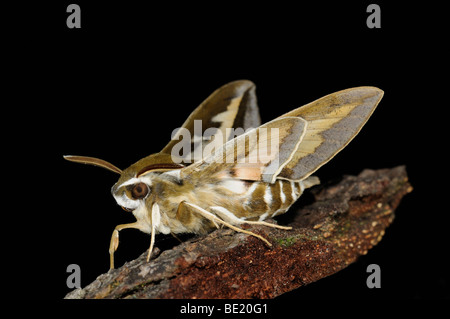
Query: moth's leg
[[257, 222], [237, 221], [176, 237], [155, 214], [216, 220], [115, 241], [184, 214]]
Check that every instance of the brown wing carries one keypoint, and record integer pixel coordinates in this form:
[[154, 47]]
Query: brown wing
[[257, 155], [233, 105], [333, 121]]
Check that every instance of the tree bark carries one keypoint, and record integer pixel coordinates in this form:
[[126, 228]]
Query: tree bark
[[344, 221]]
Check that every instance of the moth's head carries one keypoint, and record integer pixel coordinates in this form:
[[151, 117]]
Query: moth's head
[[135, 183], [130, 191]]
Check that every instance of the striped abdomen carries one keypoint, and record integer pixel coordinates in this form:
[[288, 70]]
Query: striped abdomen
[[260, 200], [269, 200]]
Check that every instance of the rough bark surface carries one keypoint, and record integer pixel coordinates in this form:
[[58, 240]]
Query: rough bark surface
[[344, 221]]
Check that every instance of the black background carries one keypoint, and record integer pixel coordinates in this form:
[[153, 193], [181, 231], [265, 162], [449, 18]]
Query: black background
[[117, 87]]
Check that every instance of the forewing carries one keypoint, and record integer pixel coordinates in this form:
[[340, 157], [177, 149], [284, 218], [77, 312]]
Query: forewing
[[333, 121], [258, 155], [233, 105]]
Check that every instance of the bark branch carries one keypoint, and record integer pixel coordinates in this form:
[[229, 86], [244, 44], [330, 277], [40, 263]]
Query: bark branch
[[344, 222]]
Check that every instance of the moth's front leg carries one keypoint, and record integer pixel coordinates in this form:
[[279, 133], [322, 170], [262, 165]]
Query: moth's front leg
[[115, 241]]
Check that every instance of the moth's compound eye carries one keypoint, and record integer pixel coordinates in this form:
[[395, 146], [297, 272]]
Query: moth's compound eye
[[139, 191]]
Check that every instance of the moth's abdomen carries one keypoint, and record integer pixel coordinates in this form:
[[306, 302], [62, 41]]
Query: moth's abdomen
[[260, 200], [265, 200]]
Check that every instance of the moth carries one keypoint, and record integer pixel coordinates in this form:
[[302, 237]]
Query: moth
[[250, 175]]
